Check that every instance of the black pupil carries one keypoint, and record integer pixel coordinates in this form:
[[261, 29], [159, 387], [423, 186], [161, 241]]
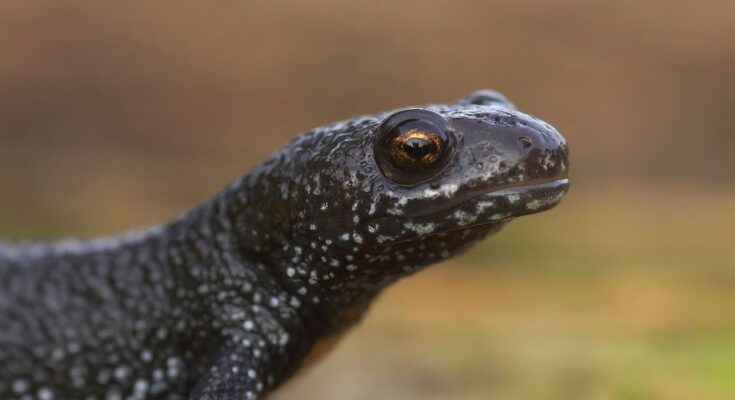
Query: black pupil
[[418, 148]]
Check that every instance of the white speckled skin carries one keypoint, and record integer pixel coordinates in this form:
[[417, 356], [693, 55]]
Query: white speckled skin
[[226, 301]]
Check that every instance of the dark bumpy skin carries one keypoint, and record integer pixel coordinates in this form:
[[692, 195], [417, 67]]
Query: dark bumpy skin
[[227, 301]]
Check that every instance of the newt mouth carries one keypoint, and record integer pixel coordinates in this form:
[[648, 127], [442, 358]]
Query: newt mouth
[[512, 199], [534, 197], [475, 209], [530, 199]]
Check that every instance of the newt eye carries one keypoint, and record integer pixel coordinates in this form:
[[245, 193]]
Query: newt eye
[[413, 146]]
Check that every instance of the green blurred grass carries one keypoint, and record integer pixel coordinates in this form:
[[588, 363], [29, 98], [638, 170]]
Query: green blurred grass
[[622, 292]]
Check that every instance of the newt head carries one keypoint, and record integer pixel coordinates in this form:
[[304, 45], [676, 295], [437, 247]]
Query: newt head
[[378, 197]]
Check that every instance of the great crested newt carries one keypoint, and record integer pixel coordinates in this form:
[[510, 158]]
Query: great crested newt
[[230, 299]]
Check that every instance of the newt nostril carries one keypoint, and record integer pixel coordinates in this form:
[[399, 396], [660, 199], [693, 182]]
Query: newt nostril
[[525, 142]]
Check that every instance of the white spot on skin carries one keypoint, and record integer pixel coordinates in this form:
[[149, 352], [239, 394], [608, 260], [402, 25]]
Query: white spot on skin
[[395, 211], [45, 394], [103, 376], [496, 217], [538, 203], [463, 218], [158, 375], [283, 339], [57, 354], [345, 237], [446, 190], [146, 356], [513, 198], [20, 386], [140, 388], [121, 373], [421, 229], [113, 394], [74, 347], [535, 204], [248, 325], [173, 367], [483, 205], [357, 238]]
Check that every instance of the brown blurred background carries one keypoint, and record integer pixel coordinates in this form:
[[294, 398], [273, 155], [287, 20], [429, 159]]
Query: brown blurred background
[[120, 114]]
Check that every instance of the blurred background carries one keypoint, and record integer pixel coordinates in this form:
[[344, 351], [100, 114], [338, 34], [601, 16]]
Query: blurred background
[[115, 115]]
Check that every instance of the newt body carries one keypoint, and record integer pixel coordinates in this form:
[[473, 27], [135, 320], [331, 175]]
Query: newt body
[[229, 299]]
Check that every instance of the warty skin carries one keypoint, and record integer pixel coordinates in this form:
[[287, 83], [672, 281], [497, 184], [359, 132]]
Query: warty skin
[[227, 301]]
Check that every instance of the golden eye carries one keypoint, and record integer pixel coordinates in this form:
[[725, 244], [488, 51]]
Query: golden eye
[[412, 146], [416, 149]]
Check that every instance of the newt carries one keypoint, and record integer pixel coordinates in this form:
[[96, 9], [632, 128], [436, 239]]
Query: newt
[[231, 298]]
